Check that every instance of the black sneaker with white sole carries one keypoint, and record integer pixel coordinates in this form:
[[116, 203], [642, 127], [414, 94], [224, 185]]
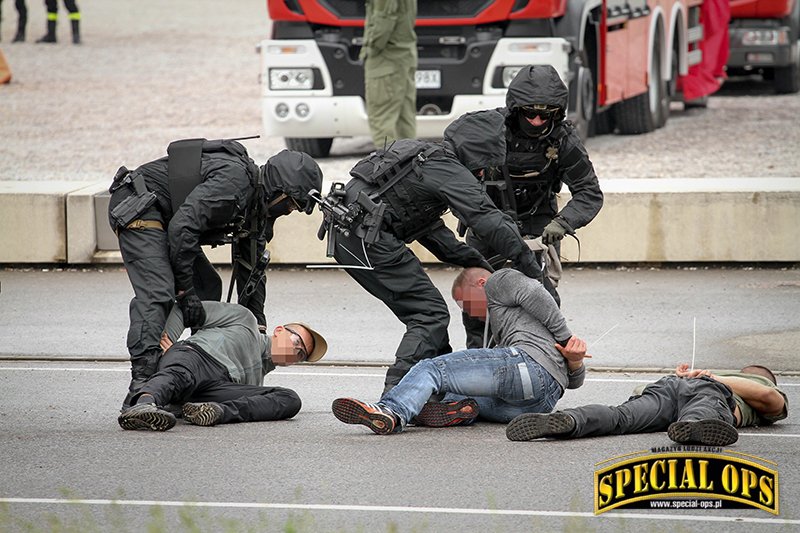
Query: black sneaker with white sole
[[202, 414], [537, 425], [709, 432], [146, 417]]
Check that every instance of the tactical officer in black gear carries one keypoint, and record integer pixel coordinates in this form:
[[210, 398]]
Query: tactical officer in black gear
[[418, 182], [542, 151], [203, 192]]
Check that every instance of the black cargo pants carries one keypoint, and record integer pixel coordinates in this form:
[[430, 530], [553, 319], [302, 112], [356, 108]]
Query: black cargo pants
[[145, 254], [670, 399], [399, 281], [187, 374]]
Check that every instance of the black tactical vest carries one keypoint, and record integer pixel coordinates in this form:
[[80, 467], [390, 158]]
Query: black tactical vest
[[391, 173], [532, 166]]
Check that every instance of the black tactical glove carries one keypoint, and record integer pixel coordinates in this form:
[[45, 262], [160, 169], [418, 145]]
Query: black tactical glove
[[553, 232], [484, 264], [194, 316], [528, 265]]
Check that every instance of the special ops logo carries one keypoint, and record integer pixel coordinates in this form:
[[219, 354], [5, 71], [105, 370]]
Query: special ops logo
[[735, 482]]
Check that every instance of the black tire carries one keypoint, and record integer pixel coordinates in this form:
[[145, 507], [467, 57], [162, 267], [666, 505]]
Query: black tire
[[670, 88], [603, 123], [641, 114], [787, 79], [587, 103], [313, 147]]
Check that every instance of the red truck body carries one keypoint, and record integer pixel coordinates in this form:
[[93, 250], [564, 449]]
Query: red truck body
[[624, 61]]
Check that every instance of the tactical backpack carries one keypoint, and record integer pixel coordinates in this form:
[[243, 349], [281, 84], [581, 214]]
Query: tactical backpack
[[185, 157], [390, 171]]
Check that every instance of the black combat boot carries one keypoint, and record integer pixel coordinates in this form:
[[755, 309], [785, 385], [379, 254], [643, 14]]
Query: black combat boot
[[50, 36], [22, 21], [76, 31], [142, 367]]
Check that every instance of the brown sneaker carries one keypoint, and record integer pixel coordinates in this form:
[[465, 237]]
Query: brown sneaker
[[444, 414], [376, 417], [709, 432]]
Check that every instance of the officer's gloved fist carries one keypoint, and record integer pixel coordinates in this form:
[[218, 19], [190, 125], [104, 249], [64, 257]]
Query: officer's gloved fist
[[194, 316], [528, 265], [553, 232]]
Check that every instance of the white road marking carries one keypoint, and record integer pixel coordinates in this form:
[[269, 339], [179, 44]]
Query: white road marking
[[399, 509]]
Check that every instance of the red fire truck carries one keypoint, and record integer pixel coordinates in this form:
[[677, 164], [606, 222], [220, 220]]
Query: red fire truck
[[764, 38], [623, 61]]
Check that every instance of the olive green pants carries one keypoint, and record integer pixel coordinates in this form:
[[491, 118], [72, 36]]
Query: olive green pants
[[391, 95]]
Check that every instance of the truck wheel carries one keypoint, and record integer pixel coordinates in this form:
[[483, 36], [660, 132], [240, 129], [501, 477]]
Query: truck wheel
[[603, 123], [586, 103], [641, 113], [787, 79], [313, 147], [670, 88]]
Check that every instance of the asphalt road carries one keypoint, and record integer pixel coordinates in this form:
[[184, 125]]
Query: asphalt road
[[67, 464], [741, 313], [61, 443]]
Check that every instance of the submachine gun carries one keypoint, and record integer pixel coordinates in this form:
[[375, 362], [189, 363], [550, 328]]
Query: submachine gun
[[362, 217], [252, 281]]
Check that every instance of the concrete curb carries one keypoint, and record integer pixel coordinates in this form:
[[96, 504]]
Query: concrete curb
[[643, 220], [367, 364]]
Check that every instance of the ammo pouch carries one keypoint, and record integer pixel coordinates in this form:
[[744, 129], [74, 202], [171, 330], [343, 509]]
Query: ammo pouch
[[132, 207]]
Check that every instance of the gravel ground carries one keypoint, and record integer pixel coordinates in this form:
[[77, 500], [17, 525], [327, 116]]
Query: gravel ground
[[147, 74]]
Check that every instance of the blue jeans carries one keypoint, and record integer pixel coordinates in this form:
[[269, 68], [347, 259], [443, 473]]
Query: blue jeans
[[505, 382]]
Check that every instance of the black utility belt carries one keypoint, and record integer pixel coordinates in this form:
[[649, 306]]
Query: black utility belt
[[131, 209]]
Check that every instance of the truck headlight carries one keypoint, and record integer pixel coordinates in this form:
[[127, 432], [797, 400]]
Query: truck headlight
[[508, 74], [283, 79], [765, 37]]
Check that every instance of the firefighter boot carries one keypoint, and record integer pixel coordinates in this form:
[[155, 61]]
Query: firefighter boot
[[50, 36], [76, 31], [142, 367]]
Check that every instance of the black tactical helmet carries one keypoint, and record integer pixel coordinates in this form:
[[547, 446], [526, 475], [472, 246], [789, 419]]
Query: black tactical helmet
[[294, 174], [537, 89]]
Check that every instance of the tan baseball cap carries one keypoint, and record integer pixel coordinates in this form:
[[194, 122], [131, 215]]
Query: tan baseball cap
[[320, 345]]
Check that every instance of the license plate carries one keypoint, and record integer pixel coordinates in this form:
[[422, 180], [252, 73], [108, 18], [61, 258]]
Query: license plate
[[429, 79]]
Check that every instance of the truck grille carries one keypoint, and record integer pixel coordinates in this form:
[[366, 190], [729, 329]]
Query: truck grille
[[355, 9]]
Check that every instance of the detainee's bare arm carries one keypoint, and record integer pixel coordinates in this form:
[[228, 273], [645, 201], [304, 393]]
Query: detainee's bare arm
[[766, 400]]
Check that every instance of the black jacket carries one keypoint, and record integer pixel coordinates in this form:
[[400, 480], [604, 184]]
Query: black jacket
[[533, 85], [212, 208], [444, 183], [541, 84]]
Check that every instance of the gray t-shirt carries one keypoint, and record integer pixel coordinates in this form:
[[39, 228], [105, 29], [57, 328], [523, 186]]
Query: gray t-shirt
[[524, 315], [230, 335]]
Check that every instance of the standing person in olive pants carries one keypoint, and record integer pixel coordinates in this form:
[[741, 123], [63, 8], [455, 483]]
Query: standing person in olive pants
[[390, 66]]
